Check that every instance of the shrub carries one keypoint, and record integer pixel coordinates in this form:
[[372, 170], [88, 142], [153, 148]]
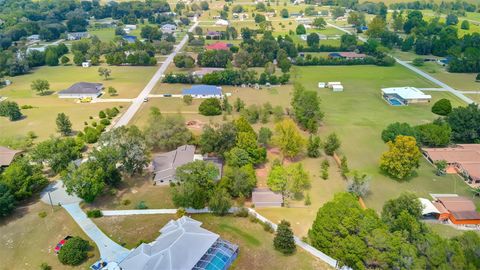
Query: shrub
[[45, 266], [284, 241], [181, 212], [94, 124], [42, 214], [268, 227], [141, 205], [253, 218], [241, 212], [26, 107], [74, 252], [102, 114], [105, 122], [442, 107], [95, 213], [187, 99], [418, 62], [126, 202], [210, 106], [307, 199]]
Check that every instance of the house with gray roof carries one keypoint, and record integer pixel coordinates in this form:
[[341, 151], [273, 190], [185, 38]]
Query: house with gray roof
[[168, 28], [182, 245], [77, 35], [82, 90]]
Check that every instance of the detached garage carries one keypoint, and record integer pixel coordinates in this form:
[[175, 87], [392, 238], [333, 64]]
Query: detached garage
[[82, 90]]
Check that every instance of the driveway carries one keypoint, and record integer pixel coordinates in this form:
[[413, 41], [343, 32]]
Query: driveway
[[58, 194], [109, 250]]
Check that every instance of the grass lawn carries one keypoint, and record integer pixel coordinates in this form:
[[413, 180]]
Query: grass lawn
[[130, 231], [459, 81], [26, 240], [445, 230], [359, 114], [104, 34]]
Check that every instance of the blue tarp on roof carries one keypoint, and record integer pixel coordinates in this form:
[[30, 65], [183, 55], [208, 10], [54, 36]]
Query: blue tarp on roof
[[205, 90]]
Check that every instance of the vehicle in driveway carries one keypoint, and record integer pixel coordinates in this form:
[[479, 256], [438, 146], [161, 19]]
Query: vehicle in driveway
[[61, 244]]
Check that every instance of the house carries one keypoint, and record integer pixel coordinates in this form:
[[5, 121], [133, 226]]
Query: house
[[264, 197], [204, 71], [296, 15], [433, 210], [463, 159], [130, 39], [304, 21], [33, 38], [331, 84], [213, 35], [87, 64], [130, 27], [404, 95], [168, 28], [462, 211], [165, 165], [222, 22], [182, 244], [77, 35], [347, 55], [82, 90], [218, 46], [204, 91], [7, 155]]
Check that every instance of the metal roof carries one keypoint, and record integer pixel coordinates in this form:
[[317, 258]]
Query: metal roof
[[205, 90], [406, 92]]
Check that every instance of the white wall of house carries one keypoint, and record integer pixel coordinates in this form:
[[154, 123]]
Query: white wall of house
[[78, 95]]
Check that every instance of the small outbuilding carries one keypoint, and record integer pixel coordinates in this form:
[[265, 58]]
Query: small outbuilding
[[322, 85], [204, 91], [264, 197], [87, 64], [82, 90], [222, 22], [337, 88]]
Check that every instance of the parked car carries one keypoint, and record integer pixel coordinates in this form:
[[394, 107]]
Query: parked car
[[61, 243]]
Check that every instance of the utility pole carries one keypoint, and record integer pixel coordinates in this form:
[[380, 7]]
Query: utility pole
[[50, 198]]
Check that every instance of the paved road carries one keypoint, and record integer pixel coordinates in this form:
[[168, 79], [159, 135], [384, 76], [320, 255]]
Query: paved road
[[109, 250], [418, 71], [137, 102]]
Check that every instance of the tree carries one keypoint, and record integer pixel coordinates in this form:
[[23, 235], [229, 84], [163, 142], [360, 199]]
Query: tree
[[319, 23], [11, 110], [58, 153], [210, 106], [51, 57], [465, 123], [284, 241], [40, 86], [442, 107], [288, 138], [64, 60], [112, 91], [418, 62], [283, 62], [74, 251], [357, 19], [395, 129], [239, 181], [291, 181], [402, 157], [166, 132], [108, 158], [348, 41], [300, 30], [248, 142], [358, 184], [452, 19], [264, 136], [313, 147], [104, 72], [376, 27], [406, 202], [195, 183], [204, 5], [465, 25], [332, 143], [220, 202], [398, 22], [313, 40], [433, 134], [338, 12], [64, 126], [23, 178], [238, 157], [7, 200], [86, 181], [184, 61], [284, 13], [259, 18]]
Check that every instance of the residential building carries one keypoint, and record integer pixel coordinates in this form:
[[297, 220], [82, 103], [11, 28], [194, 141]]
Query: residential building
[[131, 26], [77, 35], [7, 156], [182, 245], [204, 71], [264, 197], [213, 35], [462, 211], [168, 28], [222, 22], [404, 95], [82, 90], [347, 55], [204, 91], [165, 164], [33, 38], [218, 46]]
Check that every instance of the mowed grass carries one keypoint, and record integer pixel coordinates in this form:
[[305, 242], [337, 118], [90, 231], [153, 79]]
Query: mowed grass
[[26, 240], [359, 114], [459, 81], [446, 231]]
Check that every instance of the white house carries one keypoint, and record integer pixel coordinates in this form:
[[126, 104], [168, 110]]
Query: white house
[[405, 95], [77, 35], [131, 26], [33, 38], [168, 28], [222, 22], [82, 90]]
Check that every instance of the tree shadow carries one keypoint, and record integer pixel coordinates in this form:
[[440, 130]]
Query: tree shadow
[[46, 93]]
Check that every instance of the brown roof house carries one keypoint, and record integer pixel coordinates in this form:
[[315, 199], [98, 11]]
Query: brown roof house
[[462, 210], [7, 155], [165, 164], [264, 197], [463, 159]]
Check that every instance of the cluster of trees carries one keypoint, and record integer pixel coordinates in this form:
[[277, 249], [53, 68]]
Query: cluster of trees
[[11, 110], [459, 7], [306, 108], [397, 239], [325, 61], [435, 134]]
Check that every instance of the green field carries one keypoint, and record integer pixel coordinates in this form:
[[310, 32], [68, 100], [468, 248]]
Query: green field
[[459, 81]]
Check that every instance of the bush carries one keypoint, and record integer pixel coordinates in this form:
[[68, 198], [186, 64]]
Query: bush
[[126, 202], [284, 241], [181, 212], [141, 205], [253, 218], [74, 252], [268, 227], [102, 114], [241, 212], [442, 107], [45, 266], [105, 122], [210, 106], [26, 107], [418, 62], [95, 213], [42, 214], [187, 99]]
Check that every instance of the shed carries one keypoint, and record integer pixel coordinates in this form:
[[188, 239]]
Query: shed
[[82, 90], [337, 88], [222, 22], [330, 84], [203, 91], [87, 64], [264, 197], [321, 85]]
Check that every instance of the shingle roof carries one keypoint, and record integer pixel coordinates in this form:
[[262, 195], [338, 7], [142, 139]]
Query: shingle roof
[[181, 245], [203, 90], [164, 165], [83, 88], [7, 155]]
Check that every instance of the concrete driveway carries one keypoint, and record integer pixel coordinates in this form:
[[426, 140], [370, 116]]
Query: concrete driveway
[[58, 194]]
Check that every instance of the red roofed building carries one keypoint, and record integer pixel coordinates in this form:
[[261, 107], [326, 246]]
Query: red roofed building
[[218, 46]]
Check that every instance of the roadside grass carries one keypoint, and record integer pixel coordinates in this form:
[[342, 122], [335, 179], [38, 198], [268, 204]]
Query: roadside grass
[[26, 240], [459, 81], [359, 114], [446, 231], [131, 231]]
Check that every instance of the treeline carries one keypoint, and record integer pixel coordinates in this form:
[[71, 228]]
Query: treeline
[[228, 77], [459, 6], [324, 61]]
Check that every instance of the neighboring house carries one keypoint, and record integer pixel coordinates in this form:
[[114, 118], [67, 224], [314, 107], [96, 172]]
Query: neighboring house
[[165, 164], [204, 71], [168, 28], [295, 15], [304, 21], [204, 91], [129, 39], [347, 55], [461, 211], [222, 22], [7, 155], [264, 197], [463, 159], [33, 38], [77, 35], [404, 95], [213, 35], [131, 27], [219, 46], [82, 90], [183, 244]]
